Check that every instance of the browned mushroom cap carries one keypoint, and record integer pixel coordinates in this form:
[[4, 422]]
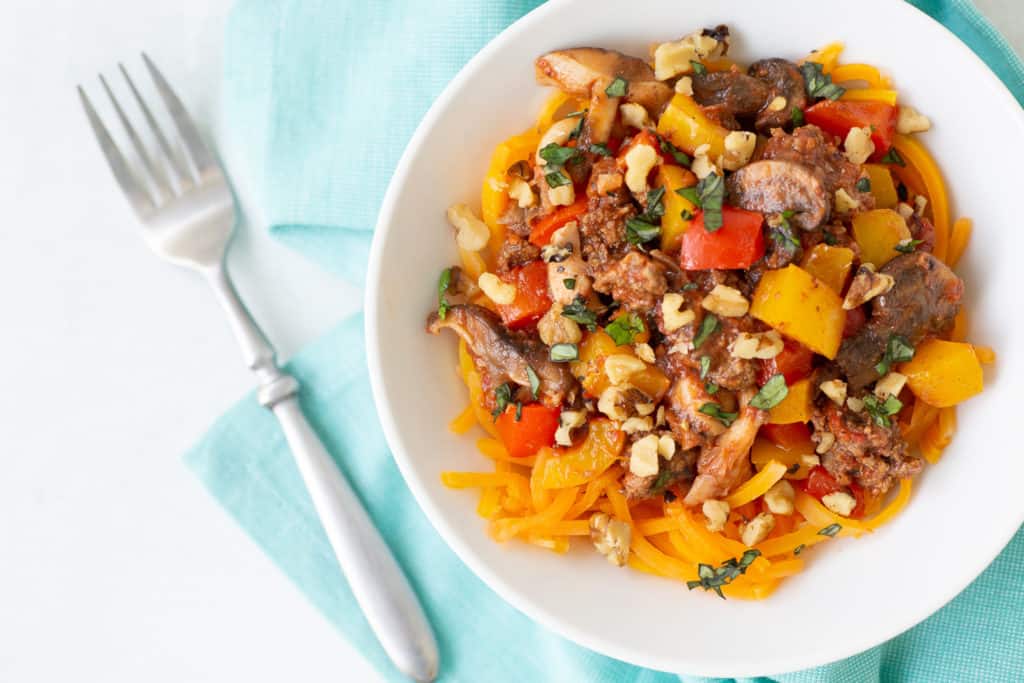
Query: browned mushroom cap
[[504, 357], [784, 80], [587, 71], [772, 187]]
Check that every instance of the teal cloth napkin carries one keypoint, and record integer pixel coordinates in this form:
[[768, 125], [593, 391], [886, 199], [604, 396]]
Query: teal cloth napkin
[[320, 104]]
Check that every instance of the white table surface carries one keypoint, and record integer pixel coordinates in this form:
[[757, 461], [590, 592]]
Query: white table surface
[[115, 564]]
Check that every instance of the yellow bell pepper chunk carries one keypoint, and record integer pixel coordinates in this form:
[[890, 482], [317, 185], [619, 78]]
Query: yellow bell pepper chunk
[[829, 264], [878, 232], [796, 407], [826, 56], [494, 193], [802, 307], [581, 464], [673, 225], [882, 186], [944, 373], [594, 349], [687, 127], [871, 95]]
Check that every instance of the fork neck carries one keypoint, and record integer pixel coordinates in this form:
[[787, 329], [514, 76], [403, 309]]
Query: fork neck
[[259, 356]]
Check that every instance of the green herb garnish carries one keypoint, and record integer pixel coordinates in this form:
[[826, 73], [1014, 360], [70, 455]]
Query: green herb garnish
[[705, 366], [708, 194], [617, 88], [502, 397], [711, 388], [624, 329], [578, 312], [893, 157], [897, 350], [707, 327], [600, 149], [797, 114], [771, 394], [713, 578], [556, 155], [569, 283], [864, 185], [686, 215], [799, 549], [668, 148], [442, 289], [715, 411], [782, 234], [881, 410], [907, 247], [818, 83], [647, 226], [829, 239], [698, 68], [831, 530], [534, 382], [563, 353], [557, 179]]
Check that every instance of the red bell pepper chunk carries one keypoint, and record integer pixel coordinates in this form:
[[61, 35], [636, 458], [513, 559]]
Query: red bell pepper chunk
[[543, 228], [532, 300], [534, 429], [839, 116], [737, 244], [795, 362], [788, 436], [820, 483]]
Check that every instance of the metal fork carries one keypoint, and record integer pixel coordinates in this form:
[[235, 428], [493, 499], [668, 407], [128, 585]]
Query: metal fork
[[188, 213]]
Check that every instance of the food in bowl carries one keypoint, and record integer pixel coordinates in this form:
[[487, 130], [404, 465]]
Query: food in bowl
[[708, 315]]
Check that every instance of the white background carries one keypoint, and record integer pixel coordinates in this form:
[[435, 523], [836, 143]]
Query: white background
[[115, 564]]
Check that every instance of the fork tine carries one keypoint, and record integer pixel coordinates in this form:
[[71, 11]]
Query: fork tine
[[136, 193], [181, 175], [158, 178], [199, 154]]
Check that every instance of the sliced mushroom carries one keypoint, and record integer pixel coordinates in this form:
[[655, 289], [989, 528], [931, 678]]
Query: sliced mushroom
[[736, 93], [723, 465], [588, 71], [568, 266], [784, 80], [771, 187], [504, 357]]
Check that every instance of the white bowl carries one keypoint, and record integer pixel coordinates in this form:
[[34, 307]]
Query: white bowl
[[855, 593]]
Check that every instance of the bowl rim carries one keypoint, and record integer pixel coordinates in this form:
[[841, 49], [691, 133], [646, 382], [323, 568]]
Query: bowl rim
[[522, 602]]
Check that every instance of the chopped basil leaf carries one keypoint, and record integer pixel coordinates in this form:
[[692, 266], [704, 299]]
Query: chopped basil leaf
[[793, 469], [569, 283], [680, 157], [831, 530], [818, 83], [579, 125], [578, 312], [715, 411], [686, 215], [534, 382], [901, 192], [557, 179], [711, 190], [617, 88], [600, 149], [907, 247], [707, 327], [689, 194], [864, 185], [897, 350], [655, 205], [502, 397], [711, 388], [782, 234], [689, 287], [639, 231], [698, 68], [893, 157], [880, 410], [713, 578], [563, 353], [799, 549], [556, 155], [624, 329], [797, 114], [705, 365], [519, 411], [442, 288], [771, 394], [829, 239]]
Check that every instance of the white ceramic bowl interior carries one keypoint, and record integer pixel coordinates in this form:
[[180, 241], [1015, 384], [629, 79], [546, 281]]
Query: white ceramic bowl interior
[[855, 593]]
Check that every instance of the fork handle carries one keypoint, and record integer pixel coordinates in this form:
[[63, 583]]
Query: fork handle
[[377, 582]]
